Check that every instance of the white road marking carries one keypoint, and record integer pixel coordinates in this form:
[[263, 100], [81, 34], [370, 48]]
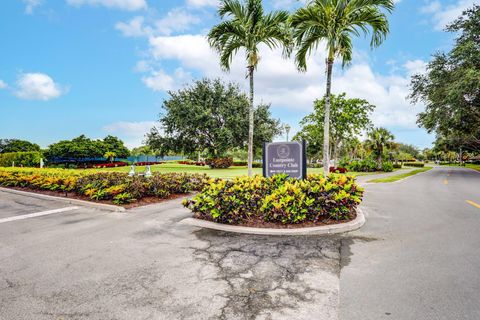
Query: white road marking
[[37, 214]]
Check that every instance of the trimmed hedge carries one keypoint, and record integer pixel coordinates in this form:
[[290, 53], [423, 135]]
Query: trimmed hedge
[[414, 164], [219, 163], [117, 187], [277, 199], [25, 159]]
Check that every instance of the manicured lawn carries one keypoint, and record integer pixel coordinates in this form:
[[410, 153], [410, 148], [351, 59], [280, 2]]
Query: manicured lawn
[[400, 176], [214, 173], [467, 165]]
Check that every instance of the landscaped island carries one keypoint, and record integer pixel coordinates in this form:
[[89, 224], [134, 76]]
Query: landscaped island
[[278, 201], [108, 187], [257, 201]]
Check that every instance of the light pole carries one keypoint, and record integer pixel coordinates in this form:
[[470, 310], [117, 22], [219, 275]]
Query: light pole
[[287, 129]]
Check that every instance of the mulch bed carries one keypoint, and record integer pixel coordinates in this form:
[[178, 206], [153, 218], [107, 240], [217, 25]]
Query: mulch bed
[[257, 222], [142, 202]]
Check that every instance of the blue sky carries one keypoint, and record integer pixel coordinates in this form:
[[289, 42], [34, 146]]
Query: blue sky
[[98, 67]]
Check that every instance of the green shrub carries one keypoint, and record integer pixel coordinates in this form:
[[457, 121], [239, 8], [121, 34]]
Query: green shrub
[[219, 163], [257, 165], [21, 159], [414, 164], [117, 187], [365, 165], [387, 167], [277, 199], [397, 165]]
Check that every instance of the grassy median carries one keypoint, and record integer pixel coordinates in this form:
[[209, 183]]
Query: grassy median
[[400, 176]]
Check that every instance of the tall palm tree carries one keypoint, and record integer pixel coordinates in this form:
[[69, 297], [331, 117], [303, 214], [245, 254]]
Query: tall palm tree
[[333, 23], [245, 26], [379, 139]]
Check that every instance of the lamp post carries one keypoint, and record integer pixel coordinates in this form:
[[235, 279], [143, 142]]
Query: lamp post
[[287, 129]]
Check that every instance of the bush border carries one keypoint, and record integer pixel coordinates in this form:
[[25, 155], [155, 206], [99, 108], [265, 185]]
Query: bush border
[[352, 225]]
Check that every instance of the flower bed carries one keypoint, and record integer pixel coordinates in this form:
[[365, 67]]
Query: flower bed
[[114, 187], [278, 199], [109, 164]]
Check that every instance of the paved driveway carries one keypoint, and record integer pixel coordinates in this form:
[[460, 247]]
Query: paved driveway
[[143, 264], [417, 257]]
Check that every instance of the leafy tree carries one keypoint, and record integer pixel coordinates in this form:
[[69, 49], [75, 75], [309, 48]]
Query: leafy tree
[[82, 147], [115, 145], [142, 151], [349, 117], [110, 155], [409, 149], [246, 27], [209, 116], [335, 22], [17, 145], [450, 87], [378, 141]]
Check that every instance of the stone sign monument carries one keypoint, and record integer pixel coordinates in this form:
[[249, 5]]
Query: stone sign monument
[[285, 157]]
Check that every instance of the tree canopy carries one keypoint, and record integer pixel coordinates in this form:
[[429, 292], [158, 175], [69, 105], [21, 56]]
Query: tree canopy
[[450, 87], [17, 145], [349, 117], [210, 116], [83, 147]]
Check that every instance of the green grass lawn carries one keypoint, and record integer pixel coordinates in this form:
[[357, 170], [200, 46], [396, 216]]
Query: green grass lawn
[[400, 176], [467, 165], [214, 173]]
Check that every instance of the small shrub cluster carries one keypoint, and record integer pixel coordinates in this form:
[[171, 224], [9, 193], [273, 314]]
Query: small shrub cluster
[[117, 187], [109, 164], [338, 170], [277, 199], [148, 163], [240, 163], [365, 165], [414, 164], [20, 159], [397, 166], [219, 163], [192, 163]]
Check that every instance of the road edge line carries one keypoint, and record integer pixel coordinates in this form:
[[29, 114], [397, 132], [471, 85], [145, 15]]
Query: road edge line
[[37, 214]]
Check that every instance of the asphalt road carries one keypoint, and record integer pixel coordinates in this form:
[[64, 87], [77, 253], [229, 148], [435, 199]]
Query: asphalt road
[[416, 258]]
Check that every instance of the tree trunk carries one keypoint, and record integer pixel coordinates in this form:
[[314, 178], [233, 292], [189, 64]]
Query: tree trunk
[[250, 123], [326, 124]]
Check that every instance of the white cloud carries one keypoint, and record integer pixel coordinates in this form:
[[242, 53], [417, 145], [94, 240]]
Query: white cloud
[[37, 86], [161, 81], [442, 15], [30, 5], [3, 85], [129, 5], [175, 20], [132, 133], [415, 66], [278, 81], [203, 3], [134, 28]]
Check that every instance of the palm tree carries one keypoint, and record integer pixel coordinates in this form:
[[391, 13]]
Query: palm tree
[[245, 27], [379, 139], [334, 22]]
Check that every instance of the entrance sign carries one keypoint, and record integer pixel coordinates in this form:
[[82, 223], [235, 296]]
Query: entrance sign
[[285, 157]]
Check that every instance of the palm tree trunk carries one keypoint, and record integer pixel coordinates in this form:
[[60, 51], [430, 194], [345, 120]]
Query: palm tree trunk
[[250, 123], [326, 124]]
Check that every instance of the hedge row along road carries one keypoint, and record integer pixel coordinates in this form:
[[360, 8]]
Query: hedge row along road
[[417, 257]]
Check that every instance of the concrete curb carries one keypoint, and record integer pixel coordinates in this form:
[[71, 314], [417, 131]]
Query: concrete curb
[[355, 224], [109, 207]]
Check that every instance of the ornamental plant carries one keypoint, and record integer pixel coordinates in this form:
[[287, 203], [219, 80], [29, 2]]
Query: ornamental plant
[[277, 199], [117, 187]]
